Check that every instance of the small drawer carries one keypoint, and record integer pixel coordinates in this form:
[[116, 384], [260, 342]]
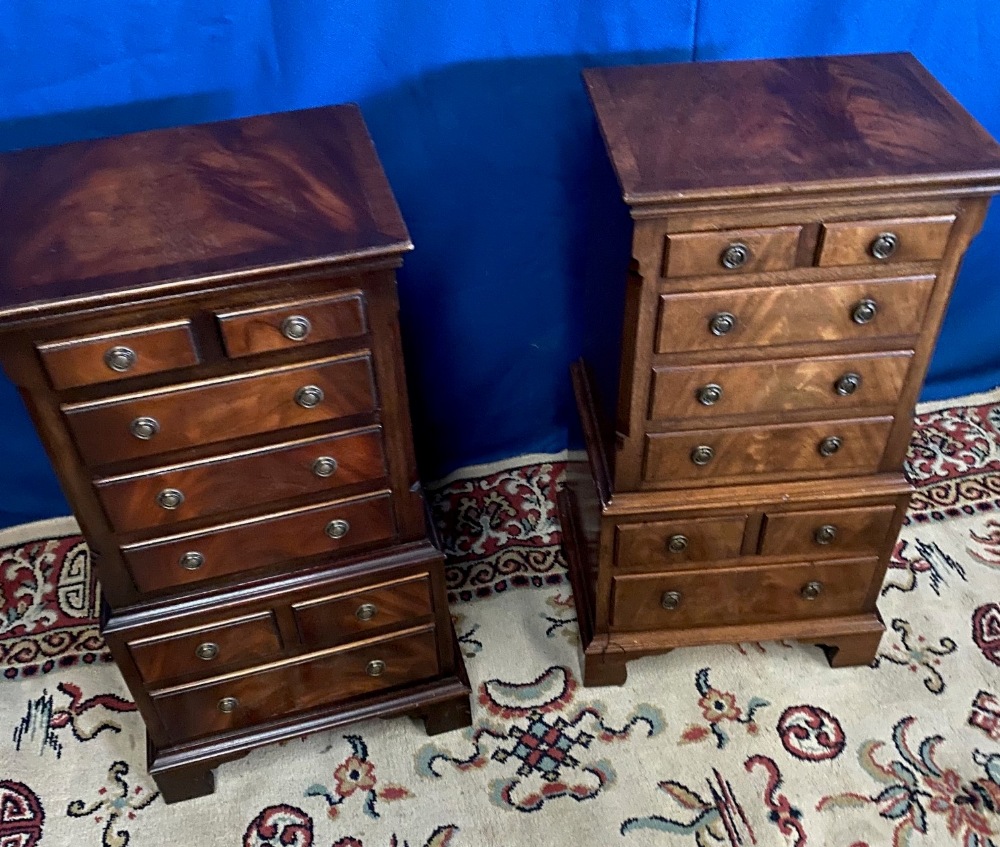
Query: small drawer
[[884, 242], [757, 594], [861, 381], [731, 251], [717, 456], [792, 314], [333, 618], [827, 532], [118, 355], [147, 423], [163, 496], [281, 326], [314, 681], [206, 650], [671, 543], [268, 540]]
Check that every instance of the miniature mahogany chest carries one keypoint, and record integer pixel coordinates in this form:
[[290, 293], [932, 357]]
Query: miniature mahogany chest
[[203, 324], [796, 230]]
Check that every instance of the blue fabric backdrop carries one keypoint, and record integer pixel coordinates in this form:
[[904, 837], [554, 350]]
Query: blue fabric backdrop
[[480, 118]]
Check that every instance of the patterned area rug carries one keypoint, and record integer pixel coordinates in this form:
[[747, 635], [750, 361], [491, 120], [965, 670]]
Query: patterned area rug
[[755, 744]]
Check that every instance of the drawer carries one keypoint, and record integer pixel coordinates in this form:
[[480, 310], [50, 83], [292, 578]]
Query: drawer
[[147, 423], [860, 381], [163, 496], [827, 532], [757, 594], [731, 251], [118, 355], [205, 650], [295, 323], [320, 679], [884, 241], [268, 540], [792, 314], [713, 456], [665, 543], [335, 617]]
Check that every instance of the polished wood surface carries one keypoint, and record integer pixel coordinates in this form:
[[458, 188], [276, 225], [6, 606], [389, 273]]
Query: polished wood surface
[[696, 253], [648, 545], [792, 314], [827, 532], [850, 243], [231, 482], [775, 127]]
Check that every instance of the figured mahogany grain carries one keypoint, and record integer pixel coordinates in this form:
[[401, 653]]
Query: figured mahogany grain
[[695, 253], [645, 545], [791, 314], [850, 242], [858, 531]]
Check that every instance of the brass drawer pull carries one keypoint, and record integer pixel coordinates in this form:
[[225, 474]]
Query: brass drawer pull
[[144, 428], [192, 561], [376, 667], [826, 534], [324, 466], [677, 543], [309, 396], [702, 455], [228, 705], [709, 395], [884, 245], [736, 255], [864, 311], [170, 498], [847, 384], [811, 590], [670, 600], [830, 445], [722, 324], [296, 327], [120, 359], [207, 651], [337, 528], [366, 611]]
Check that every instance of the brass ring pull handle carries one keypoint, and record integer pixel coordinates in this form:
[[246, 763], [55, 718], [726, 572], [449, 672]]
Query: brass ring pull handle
[[192, 560], [677, 543], [670, 600], [376, 667], [337, 528], [170, 498], [864, 311], [120, 359], [884, 245], [296, 327], [227, 705], [366, 611], [735, 256], [144, 428], [324, 466], [847, 384], [709, 395], [702, 455], [207, 651], [830, 445], [722, 324], [309, 396], [825, 534], [811, 590]]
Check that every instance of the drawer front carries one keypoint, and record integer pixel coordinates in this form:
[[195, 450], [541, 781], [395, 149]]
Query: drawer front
[[118, 355], [884, 242], [205, 650], [281, 326], [320, 679], [792, 314], [216, 410], [870, 381], [740, 595], [731, 251], [671, 543], [269, 540], [747, 451], [163, 496], [335, 617], [827, 532]]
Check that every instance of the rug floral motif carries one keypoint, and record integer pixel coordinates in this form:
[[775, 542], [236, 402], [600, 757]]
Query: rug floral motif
[[730, 746]]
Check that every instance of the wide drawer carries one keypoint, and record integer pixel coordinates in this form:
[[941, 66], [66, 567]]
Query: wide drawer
[[268, 540], [163, 496], [882, 242], [758, 594], [660, 544], [118, 355], [334, 617], [827, 532], [236, 642], [720, 455], [319, 679], [792, 314], [147, 423], [731, 251], [280, 326], [860, 381]]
